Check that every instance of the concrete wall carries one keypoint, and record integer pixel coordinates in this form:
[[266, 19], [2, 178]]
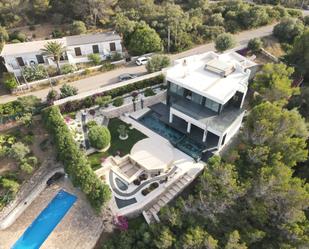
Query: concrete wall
[[118, 111], [18, 206]]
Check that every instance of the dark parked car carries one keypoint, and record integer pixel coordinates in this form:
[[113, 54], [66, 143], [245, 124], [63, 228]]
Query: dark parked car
[[127, 76]]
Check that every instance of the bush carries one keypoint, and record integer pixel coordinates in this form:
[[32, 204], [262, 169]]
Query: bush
[[255, 45], [10, 81], [288, 29], [77, 28], [115, 56], [103, 100], [99, 137], [67, 68], [224, 41], [4, 36], [18, 151], [26, 167], [91, 123], [67, 90], [157, 63], [118, 101], [107, 66], [74, 160], [17, 35], [306, 20], [10, 185], [33, 73], [95, 59], [33, 161], [57, 33], [149, 92], [15, 41], [52, 96]]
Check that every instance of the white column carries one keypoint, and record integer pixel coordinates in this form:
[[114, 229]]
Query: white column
[[220, 141], [205, 135], [243, 99], [189, 127], [171, 118]]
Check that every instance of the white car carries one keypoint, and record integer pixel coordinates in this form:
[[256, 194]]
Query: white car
[[142, 60]]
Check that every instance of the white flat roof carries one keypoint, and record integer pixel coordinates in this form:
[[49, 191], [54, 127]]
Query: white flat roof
[[152, 155], [36, 46], [190, 73]]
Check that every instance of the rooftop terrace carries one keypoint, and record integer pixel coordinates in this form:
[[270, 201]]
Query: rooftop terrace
[[214, 76]]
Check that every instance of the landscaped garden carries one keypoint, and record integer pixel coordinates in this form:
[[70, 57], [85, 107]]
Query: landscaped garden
[[118, 146]]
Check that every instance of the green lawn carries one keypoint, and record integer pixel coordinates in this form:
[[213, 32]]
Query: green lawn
[[123, 146]]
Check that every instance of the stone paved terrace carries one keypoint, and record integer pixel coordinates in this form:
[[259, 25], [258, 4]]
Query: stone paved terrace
[[79, 229]]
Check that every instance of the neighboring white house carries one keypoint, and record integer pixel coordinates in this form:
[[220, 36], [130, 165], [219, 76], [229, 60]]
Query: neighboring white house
[[206, 94], [18, 55]]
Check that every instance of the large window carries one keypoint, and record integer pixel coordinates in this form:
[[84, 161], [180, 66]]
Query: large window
[[95, 49], [112, 46], [212, 105], [196, 98], [176, 89], [20, 61], [78, 51], [40, 58]]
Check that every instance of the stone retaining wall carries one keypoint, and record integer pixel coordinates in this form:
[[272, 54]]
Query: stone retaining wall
[[23, 200]]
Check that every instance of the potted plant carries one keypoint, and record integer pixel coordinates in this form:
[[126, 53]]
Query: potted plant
[[123, 132]]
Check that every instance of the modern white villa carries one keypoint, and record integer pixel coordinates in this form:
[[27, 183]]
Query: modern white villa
[[18, 55], [206, 94]]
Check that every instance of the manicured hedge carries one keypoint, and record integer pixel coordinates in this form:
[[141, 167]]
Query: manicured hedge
[[87, 102], [74, 160]]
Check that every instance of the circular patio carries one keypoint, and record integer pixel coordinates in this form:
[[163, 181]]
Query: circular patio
[[152, 155]]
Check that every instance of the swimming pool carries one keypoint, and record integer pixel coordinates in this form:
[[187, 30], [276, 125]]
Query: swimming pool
[[44, 224], [177, 138]]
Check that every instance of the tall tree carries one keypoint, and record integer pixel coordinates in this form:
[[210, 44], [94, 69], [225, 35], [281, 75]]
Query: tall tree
[[299, 56], [56, 50], [279, 131], [274, 84]]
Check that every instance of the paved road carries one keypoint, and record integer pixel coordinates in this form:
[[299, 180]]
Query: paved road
[[111, 77]]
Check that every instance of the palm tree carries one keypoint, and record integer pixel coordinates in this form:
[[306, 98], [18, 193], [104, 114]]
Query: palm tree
[[54, 49]]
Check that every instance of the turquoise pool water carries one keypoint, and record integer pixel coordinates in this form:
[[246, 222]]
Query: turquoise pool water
[[44, 224], [178, 139]]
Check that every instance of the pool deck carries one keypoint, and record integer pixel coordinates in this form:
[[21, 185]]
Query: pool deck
[[79, 229]]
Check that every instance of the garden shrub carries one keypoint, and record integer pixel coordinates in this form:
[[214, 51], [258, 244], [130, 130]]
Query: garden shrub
[[32, 73], [9, 184], [115, 56], [68, 90], [91, 124], [67, 68], [118, 101], [149, 92], [9, 81], [107, 66], [157, 63], [99, 136], [95, 59], [74, 160], [103, 100]]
